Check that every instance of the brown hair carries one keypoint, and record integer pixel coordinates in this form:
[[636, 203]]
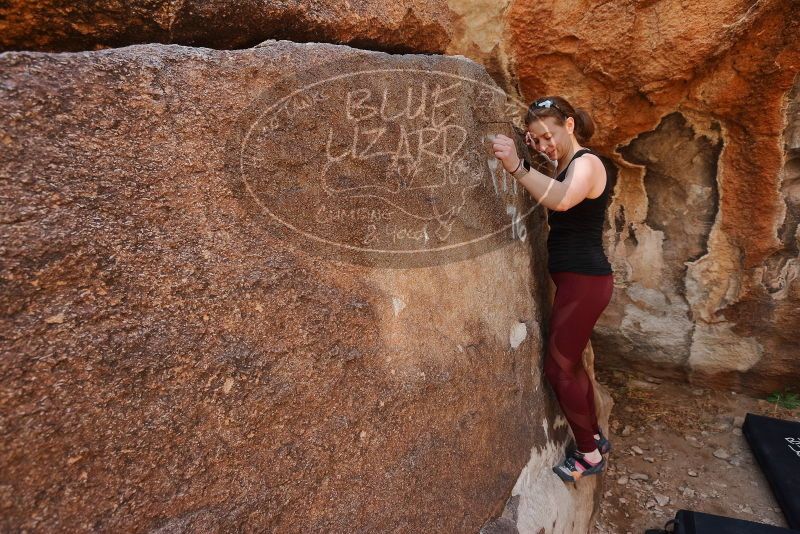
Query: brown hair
[[560, 108]]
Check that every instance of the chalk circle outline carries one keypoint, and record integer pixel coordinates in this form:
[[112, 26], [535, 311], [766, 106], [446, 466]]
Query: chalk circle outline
[[388, 252]]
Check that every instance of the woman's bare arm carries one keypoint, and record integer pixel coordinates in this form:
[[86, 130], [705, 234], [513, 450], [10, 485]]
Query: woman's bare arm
[[581, 177]]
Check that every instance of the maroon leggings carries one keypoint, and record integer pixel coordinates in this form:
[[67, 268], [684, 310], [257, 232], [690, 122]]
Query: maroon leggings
[[579, 301]]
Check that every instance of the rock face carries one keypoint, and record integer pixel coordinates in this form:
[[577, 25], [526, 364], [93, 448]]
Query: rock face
[[51, 25], [168, 242], [178, 357], [691, 104], [474, 28]]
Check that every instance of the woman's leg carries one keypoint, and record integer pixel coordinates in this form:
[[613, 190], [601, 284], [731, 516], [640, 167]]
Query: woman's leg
[[578, 303]]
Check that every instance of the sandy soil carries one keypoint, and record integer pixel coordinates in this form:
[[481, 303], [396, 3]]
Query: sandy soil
[[678, 446]]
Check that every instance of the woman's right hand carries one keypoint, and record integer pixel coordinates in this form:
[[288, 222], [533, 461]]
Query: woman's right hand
[[506, 151]]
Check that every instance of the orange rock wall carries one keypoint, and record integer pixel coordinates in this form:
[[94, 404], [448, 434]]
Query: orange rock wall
[[727, 68]]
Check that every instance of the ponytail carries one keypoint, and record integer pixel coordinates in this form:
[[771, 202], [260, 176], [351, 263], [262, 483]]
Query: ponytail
[[584, 125]]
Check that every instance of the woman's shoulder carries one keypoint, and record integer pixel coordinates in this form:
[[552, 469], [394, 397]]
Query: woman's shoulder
[[587, 151], [597, 161], [599, 166]]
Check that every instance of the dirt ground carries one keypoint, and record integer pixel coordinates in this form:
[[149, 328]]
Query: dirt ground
[[678, 446]]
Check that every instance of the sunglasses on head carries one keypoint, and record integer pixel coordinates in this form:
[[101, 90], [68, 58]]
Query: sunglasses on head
[[547, 103]]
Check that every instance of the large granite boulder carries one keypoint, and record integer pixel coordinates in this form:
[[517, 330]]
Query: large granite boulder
[[277, 289], [691, 104]]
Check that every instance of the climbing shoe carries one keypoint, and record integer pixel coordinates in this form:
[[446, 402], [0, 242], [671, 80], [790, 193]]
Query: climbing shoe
[[575, 466], [603, 444]]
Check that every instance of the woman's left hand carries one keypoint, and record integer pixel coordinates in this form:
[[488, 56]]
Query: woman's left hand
[[506, 151]]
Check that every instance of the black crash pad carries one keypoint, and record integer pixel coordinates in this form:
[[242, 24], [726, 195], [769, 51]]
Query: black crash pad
[[691, 522], [776, 446]]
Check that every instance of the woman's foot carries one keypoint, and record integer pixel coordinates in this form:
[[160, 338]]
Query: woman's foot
[[578, 465], [602, 443]]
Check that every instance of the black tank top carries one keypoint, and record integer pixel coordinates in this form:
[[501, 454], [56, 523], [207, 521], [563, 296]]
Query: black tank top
[[575, 241]]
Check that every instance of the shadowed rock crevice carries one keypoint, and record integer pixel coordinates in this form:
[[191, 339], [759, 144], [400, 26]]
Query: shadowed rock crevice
[[612, 173], [778, 263], [58, 26], [677, 202], [473, 28], [681, 186], [782, 266], [791, 189]]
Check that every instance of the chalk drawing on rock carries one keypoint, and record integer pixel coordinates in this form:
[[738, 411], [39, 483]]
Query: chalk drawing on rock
[[385, 166]]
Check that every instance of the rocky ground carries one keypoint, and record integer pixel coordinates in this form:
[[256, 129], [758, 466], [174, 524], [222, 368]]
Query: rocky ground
[[678, 446]]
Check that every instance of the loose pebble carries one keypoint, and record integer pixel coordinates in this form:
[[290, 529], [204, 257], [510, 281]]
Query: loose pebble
[[721, 453]]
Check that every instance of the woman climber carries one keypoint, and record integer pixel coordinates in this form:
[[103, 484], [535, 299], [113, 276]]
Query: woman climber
[[576, 200]]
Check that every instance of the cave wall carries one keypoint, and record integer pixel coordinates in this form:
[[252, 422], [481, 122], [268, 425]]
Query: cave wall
[[693, 104]]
